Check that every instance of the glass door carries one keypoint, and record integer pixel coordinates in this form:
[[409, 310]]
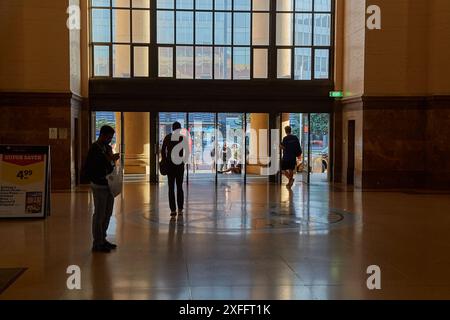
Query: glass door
[[201, 128], [256, 147], [166, 119], [320, 124], [306, 147], [230, 155]]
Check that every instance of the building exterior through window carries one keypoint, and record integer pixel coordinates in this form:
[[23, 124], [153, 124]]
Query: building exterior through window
[[212, 39]]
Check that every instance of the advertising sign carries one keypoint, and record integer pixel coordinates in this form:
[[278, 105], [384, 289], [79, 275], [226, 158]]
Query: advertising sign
[[24, 181]]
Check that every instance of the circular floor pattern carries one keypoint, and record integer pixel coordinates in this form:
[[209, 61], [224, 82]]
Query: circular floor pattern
[[254, 217]]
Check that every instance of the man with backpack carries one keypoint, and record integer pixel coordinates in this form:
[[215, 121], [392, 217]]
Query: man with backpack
[[291, 151]]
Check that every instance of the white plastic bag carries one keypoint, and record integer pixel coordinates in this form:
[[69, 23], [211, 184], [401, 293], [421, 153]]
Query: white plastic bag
[[115, 181]]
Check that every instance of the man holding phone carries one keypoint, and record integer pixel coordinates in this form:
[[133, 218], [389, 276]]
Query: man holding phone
[[99, 163]]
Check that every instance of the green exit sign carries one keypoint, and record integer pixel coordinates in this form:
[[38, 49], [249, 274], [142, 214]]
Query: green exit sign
[[336, 94]]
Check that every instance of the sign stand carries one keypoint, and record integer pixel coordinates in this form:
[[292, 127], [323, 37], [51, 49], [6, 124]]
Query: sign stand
[[24, 181]]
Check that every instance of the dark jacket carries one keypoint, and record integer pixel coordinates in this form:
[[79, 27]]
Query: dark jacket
[[98, 164], [292, 148], [166, 152]]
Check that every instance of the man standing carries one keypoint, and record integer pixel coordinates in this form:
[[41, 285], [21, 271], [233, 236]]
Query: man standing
[[291, 151], [226, 155], [175, 172], [100, 162]]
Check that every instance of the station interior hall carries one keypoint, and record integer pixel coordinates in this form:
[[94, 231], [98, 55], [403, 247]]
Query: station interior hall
[[363, 86]]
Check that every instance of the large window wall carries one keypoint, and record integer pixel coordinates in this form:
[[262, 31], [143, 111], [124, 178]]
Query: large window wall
[[303, 39], [212, 39]]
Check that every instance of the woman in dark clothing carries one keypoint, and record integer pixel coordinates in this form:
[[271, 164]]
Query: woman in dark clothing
[[175, 172], [291, 151]]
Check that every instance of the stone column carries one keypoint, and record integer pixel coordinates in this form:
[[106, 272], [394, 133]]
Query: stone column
[[257, 121], [137, 142]]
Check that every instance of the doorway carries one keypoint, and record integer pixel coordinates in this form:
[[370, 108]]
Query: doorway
[[313, 132], [202, 135], [240, 139], [132, 141], [351, 152], [223, 146]]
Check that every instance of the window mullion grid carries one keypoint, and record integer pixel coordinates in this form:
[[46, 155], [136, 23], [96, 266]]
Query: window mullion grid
[[251, 41], [213, 40], [91, 45], [153, 52], [131, 43], [272, 51], [331, 46], [194, 41], [232, 41], [313, 51], [293, 43], [111, 47], [175, 41]]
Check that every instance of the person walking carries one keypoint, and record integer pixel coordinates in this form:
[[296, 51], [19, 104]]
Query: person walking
[[100, 162], [291, 151], [175, 172]]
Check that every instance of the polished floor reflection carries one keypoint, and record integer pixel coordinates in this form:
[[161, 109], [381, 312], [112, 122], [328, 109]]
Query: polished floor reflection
[[234, 242]]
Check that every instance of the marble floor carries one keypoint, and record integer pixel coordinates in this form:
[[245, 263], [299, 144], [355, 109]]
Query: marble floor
[[258, 241]]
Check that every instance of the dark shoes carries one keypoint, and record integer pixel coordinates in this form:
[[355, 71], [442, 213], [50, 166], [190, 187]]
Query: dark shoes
[[110, 245], [105, 248], [102, 248]]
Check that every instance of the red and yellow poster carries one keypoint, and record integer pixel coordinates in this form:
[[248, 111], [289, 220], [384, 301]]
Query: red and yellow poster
[[23, 181]]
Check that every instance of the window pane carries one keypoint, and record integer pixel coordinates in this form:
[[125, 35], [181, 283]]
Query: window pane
[[101, 61], [141, 3], [260, 63], [165, 27], [242, 28], [284, 63], [204, 4], [322, 5], [222, 28], [284, 29], [121, 61], [322, 29], [261, 5], [241, 63], [303, 29], [321, 63], [100, 3], [164, 4], [141, 61], [303, 5], [302, 64], [260, 29], [203, 63], [165, 62], [242, 5], [121, 3], [185, 4], [101, 24], [285, 5], [185, 27], [141, 26], [222, 63], [223, 4], [203, 28], [121, 25], [185, 63]]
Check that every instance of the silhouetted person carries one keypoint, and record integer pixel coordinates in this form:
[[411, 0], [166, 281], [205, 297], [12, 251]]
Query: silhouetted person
[[99, 163], [175, 172], [226, 155], [291, 150]]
